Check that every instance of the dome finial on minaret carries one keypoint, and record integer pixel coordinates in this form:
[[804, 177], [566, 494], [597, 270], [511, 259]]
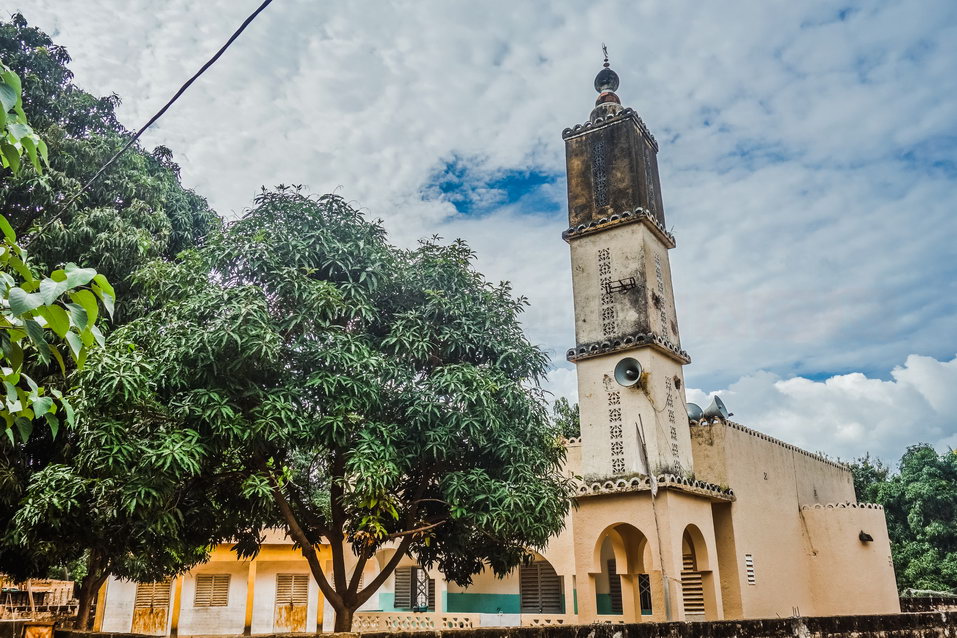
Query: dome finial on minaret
[[606, 83]]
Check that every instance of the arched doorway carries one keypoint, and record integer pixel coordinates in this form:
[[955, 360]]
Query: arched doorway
[[540, 588], [620, 576], [697, 595]]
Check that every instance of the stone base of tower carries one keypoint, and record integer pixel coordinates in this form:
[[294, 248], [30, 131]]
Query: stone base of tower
[[662, 552]]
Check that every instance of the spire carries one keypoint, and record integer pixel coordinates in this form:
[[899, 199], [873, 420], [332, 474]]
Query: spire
[[606, 83]]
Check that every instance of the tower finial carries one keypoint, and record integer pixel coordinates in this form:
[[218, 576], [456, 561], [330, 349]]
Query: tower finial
[[604, 50]]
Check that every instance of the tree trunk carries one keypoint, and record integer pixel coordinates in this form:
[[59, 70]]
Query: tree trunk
[[89, 588], [344, 619]]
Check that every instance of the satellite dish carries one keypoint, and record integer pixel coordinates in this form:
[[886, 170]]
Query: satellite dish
[[694, 411], [628, 372], [717, 409]]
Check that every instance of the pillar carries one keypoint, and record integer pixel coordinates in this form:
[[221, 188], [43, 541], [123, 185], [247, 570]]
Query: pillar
[[177, 604], [250, 597]]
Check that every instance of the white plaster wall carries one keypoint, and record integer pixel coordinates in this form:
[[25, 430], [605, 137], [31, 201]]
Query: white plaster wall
[[118, 610], [264, 601], [214, 620]]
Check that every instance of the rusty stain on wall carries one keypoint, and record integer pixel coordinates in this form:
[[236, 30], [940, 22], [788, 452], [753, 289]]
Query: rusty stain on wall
[[290, 618], [150, 620]]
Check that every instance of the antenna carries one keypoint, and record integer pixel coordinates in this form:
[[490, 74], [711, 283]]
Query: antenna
[[604, 50]]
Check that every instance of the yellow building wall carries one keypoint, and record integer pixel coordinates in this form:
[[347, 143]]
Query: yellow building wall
[[772, 481]]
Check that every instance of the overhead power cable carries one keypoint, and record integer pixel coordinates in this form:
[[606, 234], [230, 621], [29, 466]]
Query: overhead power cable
[[160, 113]]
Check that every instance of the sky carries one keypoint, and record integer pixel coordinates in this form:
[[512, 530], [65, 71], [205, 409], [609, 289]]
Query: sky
[[808, 164]]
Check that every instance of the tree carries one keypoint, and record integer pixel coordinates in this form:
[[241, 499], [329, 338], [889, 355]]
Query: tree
[[34, 313], [920, 503], [136, 212], [567, 418], [368, 395]]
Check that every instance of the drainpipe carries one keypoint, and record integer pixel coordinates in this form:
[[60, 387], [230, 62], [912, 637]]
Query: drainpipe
[[666, 589]]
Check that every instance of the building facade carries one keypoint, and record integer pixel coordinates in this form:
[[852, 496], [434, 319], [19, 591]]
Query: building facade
[[679, 516]]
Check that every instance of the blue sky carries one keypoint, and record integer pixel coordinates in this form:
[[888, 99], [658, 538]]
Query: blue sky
[[808, 161]]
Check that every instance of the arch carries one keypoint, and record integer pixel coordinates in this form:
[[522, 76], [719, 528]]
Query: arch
[[619, 572], [630, 547], [694, 540], [541, 588]]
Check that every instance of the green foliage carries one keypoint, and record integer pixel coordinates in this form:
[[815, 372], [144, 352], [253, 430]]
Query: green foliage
[[567, 418], [136, 212], [920, 503], [368, 394], [16, 135], [40, 319]]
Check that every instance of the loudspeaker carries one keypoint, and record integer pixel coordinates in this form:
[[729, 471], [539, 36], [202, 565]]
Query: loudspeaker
[[628, 372], [694, 411], [716, 409]]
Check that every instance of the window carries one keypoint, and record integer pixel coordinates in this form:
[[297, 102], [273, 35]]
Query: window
[[151, 595], [212, 590], [541, 589], [644, 593], [614, 587], [414, 589], [292, 589], [749, 568]]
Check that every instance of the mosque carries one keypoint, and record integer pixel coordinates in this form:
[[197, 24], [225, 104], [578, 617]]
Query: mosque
[[682, 515]]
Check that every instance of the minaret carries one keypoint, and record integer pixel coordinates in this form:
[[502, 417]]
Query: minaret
[[624, 302]]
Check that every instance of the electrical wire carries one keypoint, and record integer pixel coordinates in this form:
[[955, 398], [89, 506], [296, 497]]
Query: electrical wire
[[159, 113]]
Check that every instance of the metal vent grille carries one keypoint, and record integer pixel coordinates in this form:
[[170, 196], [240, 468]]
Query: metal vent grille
[[212, 590], [540, 588], [692, 589], [749, 568], [292, 589], [152, 595]]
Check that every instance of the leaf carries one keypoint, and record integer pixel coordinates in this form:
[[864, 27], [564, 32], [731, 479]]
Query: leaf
[[8, 97], [88, 300], [53, 422], [78, 316], [22, 302], [42, 147], [68, 410], [38, 338], [25, 426], [19, 130], [8, 231], [43, 405], [13, 80], [51, 290], [11, 155], [76, 276], [57, 319], [75, 344], [59, 359]]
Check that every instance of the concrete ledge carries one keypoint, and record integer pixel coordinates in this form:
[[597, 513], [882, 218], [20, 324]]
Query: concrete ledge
[[941, 624]]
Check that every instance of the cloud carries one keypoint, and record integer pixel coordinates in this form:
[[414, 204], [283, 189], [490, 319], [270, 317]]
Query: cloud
[[808, 150], [850, 414]]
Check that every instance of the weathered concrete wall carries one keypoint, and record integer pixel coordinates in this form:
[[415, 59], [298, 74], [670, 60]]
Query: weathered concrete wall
[[917, 625], [802, 559]]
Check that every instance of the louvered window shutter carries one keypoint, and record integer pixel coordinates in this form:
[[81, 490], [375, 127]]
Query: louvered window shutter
[[540, 588], [212, 590], [431, 594], [292, 589], [150, 595], [403, 588], [614, 587]]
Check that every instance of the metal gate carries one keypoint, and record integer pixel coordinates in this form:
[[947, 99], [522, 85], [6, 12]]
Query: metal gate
[[292, 602], [151, 608]]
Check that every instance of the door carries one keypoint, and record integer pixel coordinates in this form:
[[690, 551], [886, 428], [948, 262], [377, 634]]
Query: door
[[151, 608], [292, 601]]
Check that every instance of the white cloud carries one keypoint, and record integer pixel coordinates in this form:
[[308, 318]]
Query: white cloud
[[850, 414], [808, 160]]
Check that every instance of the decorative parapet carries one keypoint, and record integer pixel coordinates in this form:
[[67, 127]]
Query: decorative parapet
[[606, 346], [365, 621], [619, 219], [627, 113], [771, 439], [665, 481], [841, 506]]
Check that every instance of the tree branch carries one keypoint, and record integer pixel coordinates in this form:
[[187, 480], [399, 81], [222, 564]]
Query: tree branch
[[416, 530]]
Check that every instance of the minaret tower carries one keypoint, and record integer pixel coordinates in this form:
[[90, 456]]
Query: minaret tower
[[624, 301]]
